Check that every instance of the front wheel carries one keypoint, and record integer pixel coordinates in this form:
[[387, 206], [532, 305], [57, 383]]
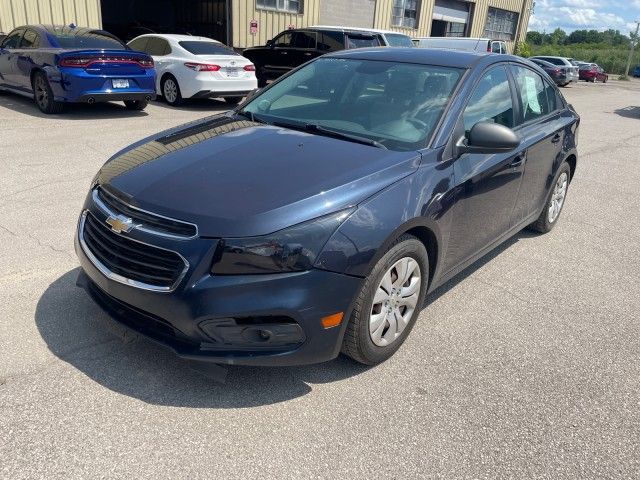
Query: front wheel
[[388, 302], [137, 105], [555, 201], [43, 95]]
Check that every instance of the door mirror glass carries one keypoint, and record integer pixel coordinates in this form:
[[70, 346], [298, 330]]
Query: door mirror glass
[[488, 137]]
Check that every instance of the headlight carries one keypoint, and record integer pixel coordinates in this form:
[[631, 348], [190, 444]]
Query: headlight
[[290, 250]]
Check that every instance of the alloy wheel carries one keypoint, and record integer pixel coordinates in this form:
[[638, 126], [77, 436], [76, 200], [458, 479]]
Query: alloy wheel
[[557, 197], [42, 95], [170, 90], [394, 302]]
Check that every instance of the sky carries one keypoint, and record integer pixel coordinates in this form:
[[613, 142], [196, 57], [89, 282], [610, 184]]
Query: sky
[[573, 15]]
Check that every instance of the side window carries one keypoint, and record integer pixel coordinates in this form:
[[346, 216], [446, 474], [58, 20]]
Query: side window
[[139, 44], [156, 46], [532, 93], [495, 47], [491, 101], [13, 39], [331, 41], [304, 40], [283, 40], [30, 40], [552, 98]]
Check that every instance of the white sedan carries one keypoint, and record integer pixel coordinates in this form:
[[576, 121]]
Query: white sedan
[[196, 67]]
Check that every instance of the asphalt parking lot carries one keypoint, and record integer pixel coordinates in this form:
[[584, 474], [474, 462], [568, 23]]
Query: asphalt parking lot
[[525, 365]]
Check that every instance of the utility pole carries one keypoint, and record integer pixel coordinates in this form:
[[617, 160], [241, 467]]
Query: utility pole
[[634, 42]]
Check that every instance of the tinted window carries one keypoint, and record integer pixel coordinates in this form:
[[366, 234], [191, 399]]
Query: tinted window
[[359, 41], [30, 39], [396, 104], [85, 39], [304, 40], [157, 46], [491, 101], [398, 40], [555, 61], [532, 93], [139, 44], [13, 40], [331, 41], [495, 47], [206, 48], [283, 40]]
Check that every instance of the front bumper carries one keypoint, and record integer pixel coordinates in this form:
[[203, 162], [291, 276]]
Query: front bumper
[[178, 319]]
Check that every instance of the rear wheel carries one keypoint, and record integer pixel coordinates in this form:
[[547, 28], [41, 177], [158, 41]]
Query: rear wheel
[[171, 91], [388, 303], [555, 201], [233, 100], [43, 95], [138, 105]]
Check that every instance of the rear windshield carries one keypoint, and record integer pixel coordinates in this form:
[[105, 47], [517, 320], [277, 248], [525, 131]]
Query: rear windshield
[[398, 40], [91, 39], [206, 48]]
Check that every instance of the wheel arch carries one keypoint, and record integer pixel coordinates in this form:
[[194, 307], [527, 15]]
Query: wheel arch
[[572, 161]]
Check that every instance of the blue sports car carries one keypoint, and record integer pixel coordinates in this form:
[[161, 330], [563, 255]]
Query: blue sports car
[[59, 64]]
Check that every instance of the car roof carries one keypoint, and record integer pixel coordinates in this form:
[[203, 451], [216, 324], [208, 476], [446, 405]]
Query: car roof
[[178, 38], [357, 29], [426, 56], [475, 39]]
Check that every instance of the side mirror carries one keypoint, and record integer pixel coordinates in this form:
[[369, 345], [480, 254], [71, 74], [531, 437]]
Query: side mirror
[[488, 137]]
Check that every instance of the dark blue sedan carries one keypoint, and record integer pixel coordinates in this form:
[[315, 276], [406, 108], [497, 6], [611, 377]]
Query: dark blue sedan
[[56, 65], [315, 218]]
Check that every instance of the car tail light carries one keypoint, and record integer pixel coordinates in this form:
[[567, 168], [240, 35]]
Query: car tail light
[[556, 71], [249, 68], [202, 67], [81, 62]]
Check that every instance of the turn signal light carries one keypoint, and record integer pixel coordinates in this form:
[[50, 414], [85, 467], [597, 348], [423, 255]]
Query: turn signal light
[[332, 320], [202, 67]]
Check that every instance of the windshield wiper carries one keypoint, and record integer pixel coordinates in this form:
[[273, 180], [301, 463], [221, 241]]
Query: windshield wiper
[[327, 132]]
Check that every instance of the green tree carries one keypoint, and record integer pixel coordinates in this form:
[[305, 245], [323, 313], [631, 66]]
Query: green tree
[[558, 36], [535, 38]]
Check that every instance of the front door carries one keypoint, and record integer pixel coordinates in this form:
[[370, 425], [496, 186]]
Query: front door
[[486, 185], [9, 58]]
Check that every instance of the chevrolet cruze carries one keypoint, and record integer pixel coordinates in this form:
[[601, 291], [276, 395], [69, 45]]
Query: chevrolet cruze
[[315, 218]]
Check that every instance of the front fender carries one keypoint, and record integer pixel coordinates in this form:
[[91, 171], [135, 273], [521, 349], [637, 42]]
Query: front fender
[[420, 201]]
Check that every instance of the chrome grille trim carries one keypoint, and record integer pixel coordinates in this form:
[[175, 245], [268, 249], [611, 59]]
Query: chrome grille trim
[[120, 278], [110, 212]]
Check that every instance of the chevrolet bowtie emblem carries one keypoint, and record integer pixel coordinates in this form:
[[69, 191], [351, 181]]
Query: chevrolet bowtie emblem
[[120, 223]]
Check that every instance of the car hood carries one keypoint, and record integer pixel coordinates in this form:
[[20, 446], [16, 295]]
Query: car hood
[[236, 178]]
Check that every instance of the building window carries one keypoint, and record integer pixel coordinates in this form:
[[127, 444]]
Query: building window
[[289, 6], [405, 13], [455, 29], [501, 24]]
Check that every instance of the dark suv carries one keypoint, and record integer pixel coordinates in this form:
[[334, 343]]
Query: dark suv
[[292, 48]]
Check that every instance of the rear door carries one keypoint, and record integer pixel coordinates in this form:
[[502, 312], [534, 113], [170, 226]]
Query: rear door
[[540, 126], [9, 57]]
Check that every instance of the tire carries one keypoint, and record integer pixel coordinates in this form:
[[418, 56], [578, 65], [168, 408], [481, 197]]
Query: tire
[[43, 95], [137, 105], [233, 100], [546, 221], [262, 78], [605, 80], [371, 348], [171, 91]]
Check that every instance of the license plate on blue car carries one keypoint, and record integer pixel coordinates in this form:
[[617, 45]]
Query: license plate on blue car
[[120, 83]]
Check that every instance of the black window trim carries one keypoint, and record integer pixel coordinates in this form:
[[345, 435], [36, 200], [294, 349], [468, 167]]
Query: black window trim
[[20, 30], [533, 121]]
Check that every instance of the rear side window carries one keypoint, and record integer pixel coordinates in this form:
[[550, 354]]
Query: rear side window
[[361, 41], [86, 39], [13, 40], [158, 47], [532, 93], [304, 40], [491, 100], [206, 48], [139, 44], [331, 41], [30, 40]]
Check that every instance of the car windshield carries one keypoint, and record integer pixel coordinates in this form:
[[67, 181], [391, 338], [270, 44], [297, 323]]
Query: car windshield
[[206, 48], [395, 40], [89, 39], [395, 105]]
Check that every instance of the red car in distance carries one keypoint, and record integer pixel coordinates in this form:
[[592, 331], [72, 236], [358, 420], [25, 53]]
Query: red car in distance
[[593, 73]]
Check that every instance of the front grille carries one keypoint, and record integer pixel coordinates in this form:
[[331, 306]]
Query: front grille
[[129, 261], [145, 220]]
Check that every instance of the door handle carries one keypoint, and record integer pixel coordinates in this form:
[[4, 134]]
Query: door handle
[[307, 53], [556, 138], [283, 53]]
